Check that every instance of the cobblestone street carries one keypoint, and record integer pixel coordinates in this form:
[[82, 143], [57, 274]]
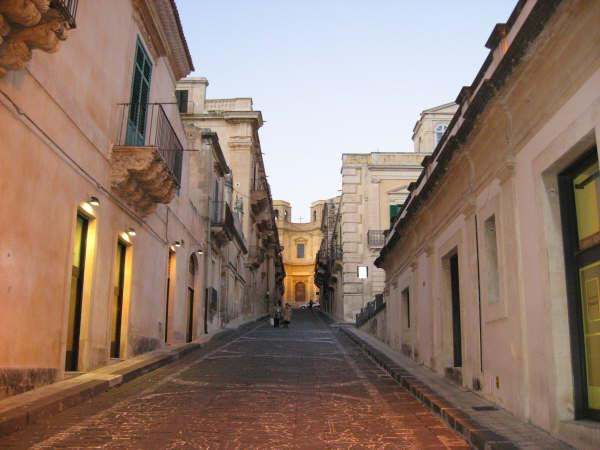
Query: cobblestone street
[[307, 387]]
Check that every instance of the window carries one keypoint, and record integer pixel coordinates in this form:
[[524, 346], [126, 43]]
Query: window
[[276, 213], [394, 211], [439, 132], [300, 250], [314, 216], [192, 265], [362, 272], [182, 100], [140, 92], [491, 249], [580, 218], [405, 307]]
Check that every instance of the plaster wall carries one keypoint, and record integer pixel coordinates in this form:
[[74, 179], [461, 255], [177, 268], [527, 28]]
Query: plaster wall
[[508, 169], [60, 137]]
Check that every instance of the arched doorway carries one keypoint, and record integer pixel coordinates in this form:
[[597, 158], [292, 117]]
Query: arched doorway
[[300, 292]]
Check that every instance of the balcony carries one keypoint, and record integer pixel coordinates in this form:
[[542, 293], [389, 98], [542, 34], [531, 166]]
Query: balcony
[[225, 225], [67, 8], [259, 199], [376, 238], [147, 158], [27, 25], [256, 256]]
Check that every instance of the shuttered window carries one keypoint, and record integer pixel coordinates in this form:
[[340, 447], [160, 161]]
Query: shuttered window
[[140, 92], [182, 100]]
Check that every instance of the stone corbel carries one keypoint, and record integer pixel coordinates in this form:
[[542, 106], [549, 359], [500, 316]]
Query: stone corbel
[[27, 25], [507, 169]]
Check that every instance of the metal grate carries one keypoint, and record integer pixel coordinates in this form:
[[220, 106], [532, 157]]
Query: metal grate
[[485, 408], [68, 8]]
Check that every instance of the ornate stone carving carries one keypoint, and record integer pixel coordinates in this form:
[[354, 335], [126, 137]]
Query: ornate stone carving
[[27, 25], [142, 178]]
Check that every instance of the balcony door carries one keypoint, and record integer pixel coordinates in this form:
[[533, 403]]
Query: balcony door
[[580, 214], [76, 297], [140, 92]]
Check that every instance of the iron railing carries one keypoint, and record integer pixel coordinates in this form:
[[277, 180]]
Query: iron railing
[[68, 8], [376, 238], [222, 214], [370, 310], [147, 125], [336, 252]]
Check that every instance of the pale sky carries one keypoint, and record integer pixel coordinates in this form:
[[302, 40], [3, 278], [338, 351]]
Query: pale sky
[[336, 76]]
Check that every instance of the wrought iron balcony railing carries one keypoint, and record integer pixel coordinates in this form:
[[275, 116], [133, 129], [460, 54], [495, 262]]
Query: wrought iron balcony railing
[[336, 252], [68, 8], [147, 125], [376, 238]]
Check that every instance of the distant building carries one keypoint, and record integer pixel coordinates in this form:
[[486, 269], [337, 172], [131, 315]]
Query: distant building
[[374, 189], [300, 242], [245, 255]]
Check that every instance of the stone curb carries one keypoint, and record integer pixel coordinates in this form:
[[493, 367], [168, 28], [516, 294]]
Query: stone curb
[[474, 433], [73, 393]]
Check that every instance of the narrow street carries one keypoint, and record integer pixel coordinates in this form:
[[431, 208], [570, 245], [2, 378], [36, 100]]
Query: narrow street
[[307, 386]]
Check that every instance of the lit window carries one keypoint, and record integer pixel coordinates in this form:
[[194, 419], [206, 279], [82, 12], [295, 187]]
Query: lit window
[[300, 250], [362, 272], [439, 132]]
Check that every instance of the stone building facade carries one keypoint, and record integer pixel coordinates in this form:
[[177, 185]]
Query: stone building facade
[[104, 236], [300, 242], [492, 266], [245, 197], [329, 263], [374, 186]]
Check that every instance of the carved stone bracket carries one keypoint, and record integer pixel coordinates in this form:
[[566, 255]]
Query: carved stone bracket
[[142, 178], [26, 25]]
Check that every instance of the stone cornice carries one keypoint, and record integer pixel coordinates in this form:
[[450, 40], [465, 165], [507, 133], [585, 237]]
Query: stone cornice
[[162, 24]]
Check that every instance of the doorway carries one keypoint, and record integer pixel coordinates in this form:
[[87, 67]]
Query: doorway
[[76, 295], [580, 216], [170, 277], [190, 321], [117, 306], [300, 292], [191, 283], [456, 328]]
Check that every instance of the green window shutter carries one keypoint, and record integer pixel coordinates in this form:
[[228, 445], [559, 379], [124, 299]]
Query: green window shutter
[[182, 100], [140, 92], [394, 211]]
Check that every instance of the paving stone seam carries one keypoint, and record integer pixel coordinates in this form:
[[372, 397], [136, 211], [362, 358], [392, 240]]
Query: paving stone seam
[[80, 427], [364, 379], [476, 434], [19, 417]]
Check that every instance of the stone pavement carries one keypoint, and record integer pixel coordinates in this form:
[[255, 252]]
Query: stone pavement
[[308, 386], [477, 416]]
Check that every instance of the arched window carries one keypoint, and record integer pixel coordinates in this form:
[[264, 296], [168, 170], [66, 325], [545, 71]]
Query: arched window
[[439, 132], [314, 216]]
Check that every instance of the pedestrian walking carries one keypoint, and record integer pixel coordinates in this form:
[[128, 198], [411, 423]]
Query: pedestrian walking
[[287, 315], [277, 315], [310, 304]]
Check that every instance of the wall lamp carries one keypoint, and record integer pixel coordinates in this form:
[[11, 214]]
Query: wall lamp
[[176, 245], [200, 252], [131, 231], [94, 201]]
